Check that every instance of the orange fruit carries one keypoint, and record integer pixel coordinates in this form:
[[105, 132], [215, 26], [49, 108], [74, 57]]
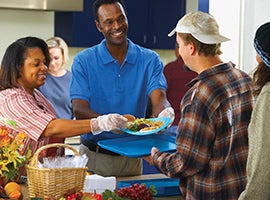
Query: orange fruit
[[12, 186], [15, 194]]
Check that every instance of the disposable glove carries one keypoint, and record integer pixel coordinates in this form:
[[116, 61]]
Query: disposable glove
[[169, 113], [107, 123]]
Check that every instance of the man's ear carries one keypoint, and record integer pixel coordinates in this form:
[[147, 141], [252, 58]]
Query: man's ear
[[98, 26], [192, 48]]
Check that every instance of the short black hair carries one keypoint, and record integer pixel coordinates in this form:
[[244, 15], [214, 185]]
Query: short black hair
[[99, 3]]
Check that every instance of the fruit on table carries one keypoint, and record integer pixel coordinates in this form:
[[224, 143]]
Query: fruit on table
[[12, 190], [73, 196], [12, 186], [98, 196], [15, 195], [78, 196], [132, 192], [91, 196], [136, 192]]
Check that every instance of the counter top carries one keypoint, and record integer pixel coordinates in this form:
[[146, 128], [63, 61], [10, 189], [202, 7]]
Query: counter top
[[142, 177]]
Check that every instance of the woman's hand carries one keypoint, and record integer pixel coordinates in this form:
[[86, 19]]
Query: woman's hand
[[108, 122]]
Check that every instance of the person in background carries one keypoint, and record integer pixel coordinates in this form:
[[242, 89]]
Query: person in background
[[212, 141], [115, 76], [56, 87], [177, 76], [23, 70], [258, 162]]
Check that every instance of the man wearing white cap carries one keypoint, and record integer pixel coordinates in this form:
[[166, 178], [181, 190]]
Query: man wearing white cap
[[212, 140]]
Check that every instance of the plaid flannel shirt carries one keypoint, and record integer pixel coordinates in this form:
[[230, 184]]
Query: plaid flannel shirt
[[212, 143]]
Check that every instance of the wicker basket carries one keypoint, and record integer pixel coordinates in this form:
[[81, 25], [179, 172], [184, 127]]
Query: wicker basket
[[46, 182]]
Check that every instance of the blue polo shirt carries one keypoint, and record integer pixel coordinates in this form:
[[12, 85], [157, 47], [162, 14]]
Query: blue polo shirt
[[110, 88]]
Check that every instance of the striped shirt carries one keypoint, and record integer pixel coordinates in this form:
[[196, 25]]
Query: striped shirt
[[31, 114], [212, 143]]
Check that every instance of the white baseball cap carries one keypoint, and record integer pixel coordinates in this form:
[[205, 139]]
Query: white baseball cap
[[201, 26]]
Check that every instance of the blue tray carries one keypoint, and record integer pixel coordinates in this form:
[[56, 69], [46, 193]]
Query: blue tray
[[163, 186], [139, 146]]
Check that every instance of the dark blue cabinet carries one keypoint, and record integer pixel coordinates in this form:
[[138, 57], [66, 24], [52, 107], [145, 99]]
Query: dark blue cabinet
[[78, 28], [150, 21], [203, 5]]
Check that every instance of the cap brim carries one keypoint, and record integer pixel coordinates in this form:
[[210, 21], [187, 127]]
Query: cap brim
[[172, 33], [210, 39], [204, 38]]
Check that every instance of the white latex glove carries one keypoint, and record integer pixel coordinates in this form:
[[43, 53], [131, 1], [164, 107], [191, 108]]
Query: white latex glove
[[107, 123], [169, 113]]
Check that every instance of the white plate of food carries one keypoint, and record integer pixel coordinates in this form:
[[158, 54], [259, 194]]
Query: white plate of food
[[147, 126]]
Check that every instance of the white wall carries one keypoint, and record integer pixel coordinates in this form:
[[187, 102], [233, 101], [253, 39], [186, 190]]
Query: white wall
[[255, 14], [191, 5], [228, 18], [239, 19], [20, 23]]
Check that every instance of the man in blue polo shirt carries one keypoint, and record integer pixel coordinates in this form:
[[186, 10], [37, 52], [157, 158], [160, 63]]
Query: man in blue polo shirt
[[115, 76]]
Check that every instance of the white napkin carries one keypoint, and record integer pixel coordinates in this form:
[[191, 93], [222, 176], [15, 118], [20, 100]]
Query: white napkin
[[99, 183]]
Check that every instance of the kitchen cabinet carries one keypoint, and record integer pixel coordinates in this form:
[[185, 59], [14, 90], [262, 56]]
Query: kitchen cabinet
[[78, 29], [203, 5], [150, 21]]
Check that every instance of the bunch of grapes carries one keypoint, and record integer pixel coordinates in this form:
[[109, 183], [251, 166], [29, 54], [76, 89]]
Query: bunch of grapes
[[136, 192]]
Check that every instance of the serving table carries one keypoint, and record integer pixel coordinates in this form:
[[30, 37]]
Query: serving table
[[142, 177]]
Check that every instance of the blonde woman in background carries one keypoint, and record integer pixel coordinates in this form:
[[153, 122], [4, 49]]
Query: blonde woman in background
[[56, 87]]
